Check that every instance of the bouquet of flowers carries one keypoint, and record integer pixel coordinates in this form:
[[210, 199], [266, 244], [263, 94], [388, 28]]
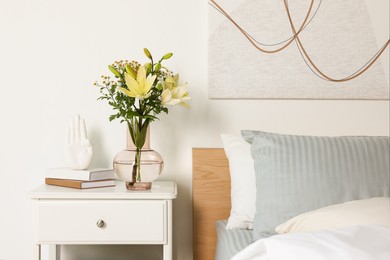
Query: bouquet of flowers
[[138, 94]]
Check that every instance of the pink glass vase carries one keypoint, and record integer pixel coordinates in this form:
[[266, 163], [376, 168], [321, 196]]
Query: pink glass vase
[[150, 168]]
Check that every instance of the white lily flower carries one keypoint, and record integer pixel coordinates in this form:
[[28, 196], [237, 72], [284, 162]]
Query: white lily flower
[[174, 94]]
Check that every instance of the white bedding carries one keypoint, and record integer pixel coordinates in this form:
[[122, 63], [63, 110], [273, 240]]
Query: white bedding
[[349, 243]]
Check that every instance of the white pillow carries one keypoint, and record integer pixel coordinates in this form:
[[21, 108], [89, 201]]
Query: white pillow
[[243, 184], [373, 211]]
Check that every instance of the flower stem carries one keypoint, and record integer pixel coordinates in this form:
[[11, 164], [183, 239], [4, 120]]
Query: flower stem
[[134, 172], [138, 163]]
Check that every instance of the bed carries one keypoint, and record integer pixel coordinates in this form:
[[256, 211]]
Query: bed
[[212, 194]]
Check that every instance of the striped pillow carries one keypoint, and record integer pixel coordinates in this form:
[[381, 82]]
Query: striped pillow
[[297, 174]]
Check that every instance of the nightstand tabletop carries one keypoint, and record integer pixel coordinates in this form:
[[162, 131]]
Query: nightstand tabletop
[[159, 190]]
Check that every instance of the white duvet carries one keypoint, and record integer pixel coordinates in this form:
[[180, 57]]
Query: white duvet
[[349, 243]]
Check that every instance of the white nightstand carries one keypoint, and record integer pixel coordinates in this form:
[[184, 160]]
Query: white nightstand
[[110, 215]]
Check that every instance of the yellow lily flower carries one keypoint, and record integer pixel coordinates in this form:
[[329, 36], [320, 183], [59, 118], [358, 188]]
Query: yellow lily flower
[[174, 94], [139, 88]]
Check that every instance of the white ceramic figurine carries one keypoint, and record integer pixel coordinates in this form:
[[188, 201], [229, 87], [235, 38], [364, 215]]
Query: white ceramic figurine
[[79, 149]]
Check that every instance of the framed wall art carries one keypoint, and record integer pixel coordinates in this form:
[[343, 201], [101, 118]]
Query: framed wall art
[[294, 50]]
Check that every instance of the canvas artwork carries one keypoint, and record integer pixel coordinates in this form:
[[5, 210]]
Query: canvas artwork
[[253, 52]]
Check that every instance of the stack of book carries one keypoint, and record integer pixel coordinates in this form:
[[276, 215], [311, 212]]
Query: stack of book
[[80, 179]]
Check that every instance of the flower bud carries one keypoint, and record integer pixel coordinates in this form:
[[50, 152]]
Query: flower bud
[[167, 56], [147, 53], [148, 68], [130, 71], [114, 71], [157, 67]]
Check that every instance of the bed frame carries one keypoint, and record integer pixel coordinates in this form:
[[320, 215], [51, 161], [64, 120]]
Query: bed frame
[[210, 198]]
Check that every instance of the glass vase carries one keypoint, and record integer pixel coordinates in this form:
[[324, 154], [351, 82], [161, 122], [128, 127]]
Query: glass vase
[[151, 167]]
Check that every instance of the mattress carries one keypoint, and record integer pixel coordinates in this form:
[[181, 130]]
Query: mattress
[[230, 241]]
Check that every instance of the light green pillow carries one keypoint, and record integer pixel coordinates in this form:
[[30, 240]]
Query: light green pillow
[[297, 174]]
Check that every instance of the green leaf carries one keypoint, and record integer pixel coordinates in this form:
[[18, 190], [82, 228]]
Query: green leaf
[[131, 132], [167, 56], [130, 114], [112, 117], [150, 117], [147, 53], [114, 71], [140, 139]]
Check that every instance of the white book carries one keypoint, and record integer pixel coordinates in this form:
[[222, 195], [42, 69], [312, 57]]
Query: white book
[[84, 175]]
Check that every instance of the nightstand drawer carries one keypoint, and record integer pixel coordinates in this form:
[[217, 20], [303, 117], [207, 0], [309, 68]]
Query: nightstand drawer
[[102, 221]]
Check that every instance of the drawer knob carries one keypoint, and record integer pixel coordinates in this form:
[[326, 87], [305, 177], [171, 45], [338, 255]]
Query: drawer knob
[[100, 223]]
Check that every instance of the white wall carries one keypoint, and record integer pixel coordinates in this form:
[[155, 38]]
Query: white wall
[[52, 51]]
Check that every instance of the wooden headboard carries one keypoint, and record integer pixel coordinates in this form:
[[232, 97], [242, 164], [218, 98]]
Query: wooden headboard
[[210, 198]]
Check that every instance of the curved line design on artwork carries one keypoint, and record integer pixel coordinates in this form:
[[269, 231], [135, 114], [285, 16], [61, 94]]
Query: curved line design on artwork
[[270, 44], [310, 64]]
